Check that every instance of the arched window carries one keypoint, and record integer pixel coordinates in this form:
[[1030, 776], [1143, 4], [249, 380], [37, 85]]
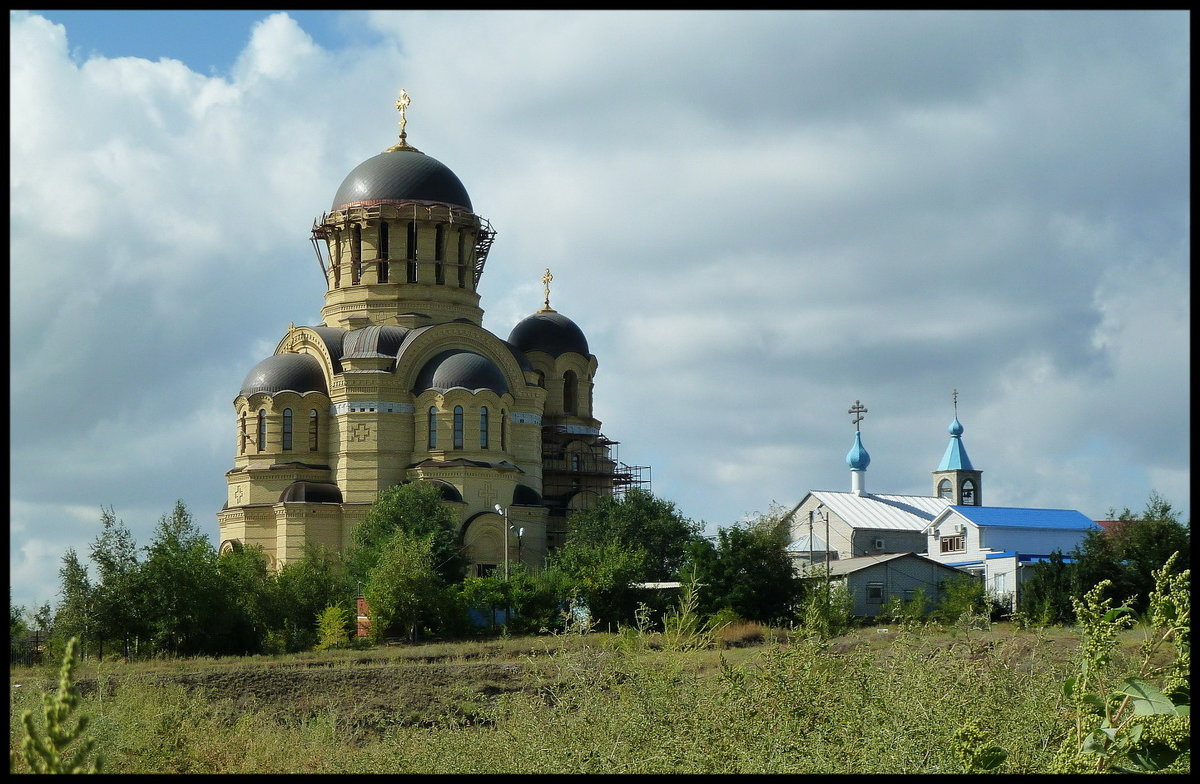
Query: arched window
[[262, 430], [503, 430], [432, 427], [458, 427], [312, 431], [355, 254], [287, 429], [410, 251], [944, 489], [576, 461], [242, 436], [463, 259], [968, 493], [439, 254], [570, 392], [483, 428], [335, 259]]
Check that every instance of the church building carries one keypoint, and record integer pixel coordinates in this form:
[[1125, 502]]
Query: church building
[[401, 383]]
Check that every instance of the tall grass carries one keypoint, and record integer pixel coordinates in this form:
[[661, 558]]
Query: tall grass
[[804, 707]]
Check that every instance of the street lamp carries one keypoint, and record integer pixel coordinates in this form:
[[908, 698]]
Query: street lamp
[[504, 513]]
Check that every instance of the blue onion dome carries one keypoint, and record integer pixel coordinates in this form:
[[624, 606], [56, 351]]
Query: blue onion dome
[[405, 174], [312, 493], [956, 428], [857, 458], [549, 331], [459, 368], [294, 372]]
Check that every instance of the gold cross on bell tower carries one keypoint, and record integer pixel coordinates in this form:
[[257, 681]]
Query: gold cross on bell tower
[[546, 278]]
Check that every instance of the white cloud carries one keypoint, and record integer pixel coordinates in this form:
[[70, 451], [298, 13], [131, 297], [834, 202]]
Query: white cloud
[[756, 218]]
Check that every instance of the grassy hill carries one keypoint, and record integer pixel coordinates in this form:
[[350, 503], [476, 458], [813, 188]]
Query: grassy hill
[[874, 700]]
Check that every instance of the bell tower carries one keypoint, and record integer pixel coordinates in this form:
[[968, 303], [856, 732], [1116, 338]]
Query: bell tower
[[956, 479]]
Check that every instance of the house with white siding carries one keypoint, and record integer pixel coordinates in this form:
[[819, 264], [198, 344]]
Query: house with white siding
[[998, 542]]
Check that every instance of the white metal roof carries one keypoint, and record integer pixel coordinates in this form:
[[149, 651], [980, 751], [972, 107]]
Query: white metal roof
[[894, 512]]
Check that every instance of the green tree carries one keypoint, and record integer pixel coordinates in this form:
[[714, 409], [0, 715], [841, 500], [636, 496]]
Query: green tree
[[302, 589], [416, 508], [118, 592], [181, 579], [331, 627], [641, 522], [246, 594], [75, 614], [748, 570], [603, 575], [1046, 592], [402, 585]]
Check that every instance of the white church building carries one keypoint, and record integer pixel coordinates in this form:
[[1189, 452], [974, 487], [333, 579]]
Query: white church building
[[950, 527]]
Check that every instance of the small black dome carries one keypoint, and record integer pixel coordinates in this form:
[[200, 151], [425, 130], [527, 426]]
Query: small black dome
[[458, 368], [295, 372], [550, 332], [312, 493], [373, 340], [403, 175]]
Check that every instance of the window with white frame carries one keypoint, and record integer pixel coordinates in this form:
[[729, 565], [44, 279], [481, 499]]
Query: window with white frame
[[954, 544]]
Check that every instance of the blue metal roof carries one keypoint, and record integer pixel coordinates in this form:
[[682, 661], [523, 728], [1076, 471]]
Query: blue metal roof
[[956, 458], [1017, 517]]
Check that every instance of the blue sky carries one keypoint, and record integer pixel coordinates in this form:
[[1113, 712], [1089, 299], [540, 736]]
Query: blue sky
[[757, 218]]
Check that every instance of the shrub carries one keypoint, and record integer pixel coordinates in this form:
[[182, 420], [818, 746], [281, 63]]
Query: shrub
[[48, 754]]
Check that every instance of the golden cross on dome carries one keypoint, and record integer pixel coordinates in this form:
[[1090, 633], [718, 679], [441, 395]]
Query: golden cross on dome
[[402, 103], [546, 278], [858, 409]]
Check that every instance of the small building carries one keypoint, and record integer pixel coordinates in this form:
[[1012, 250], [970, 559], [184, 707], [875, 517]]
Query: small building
[[873, 580], [996, 542]]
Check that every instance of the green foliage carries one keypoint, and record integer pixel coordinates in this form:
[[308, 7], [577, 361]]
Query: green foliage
[[748, 570], [75, 615], [118, 593], [683, 628], [181, 600], [906, 611], [1045, 595], [48, 753], [331, 628], [639, 522], [1130, 724], [970, 743], [299, 591], [828, 608], [601, 576], [402, 585], [418, 510], [963, 601]]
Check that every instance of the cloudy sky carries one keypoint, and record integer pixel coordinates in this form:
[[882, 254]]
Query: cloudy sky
[[757, 218]]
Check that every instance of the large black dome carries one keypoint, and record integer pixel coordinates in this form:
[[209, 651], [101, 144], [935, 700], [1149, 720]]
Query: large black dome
[[551, 332], [402, 175]]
